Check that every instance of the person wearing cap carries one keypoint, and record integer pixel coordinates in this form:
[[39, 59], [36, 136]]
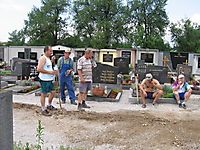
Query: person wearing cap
[[65, 66], [181, 90], [85, 65], [150, 88]]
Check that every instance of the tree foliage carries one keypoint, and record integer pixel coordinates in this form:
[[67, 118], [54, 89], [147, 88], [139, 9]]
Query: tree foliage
[[148, 22], [99, 23], [47, 25], [186, 36], [105, 24], [16, 38]]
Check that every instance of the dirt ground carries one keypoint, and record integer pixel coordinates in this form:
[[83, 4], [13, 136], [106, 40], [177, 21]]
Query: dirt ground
[[119, 130]]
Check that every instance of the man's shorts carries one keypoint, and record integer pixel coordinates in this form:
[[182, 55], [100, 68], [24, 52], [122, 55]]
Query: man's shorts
[[149, 95], [46, 86], [85, 87], [182, 95]]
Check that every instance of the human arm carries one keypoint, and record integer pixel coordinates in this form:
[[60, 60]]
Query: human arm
[[79, 70], [94, 64], [141, 86], [80, 73], [175, 86], [59, 63], [157, 84], [188, 88], [71, 63]]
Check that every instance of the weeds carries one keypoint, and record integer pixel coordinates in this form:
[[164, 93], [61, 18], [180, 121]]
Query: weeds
[[39, 140], [40, 133]]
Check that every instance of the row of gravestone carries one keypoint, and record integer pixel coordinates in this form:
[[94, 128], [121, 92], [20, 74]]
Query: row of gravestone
[[108, 74]]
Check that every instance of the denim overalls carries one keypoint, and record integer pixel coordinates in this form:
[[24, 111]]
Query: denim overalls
[[66, 81]]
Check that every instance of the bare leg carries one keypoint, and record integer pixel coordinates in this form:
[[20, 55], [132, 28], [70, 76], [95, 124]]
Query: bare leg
[[187, 96], [51, 96], [42, 100], [177, 97], [80, 97], [143, 96], [157, 95]]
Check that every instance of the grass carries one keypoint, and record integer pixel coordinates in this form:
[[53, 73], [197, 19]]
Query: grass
[[5, 72]]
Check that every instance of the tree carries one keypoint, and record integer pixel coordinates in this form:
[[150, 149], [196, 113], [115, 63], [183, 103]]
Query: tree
[[186, 36], [148, 21], [16, 38], [99, 23], [47, 25]]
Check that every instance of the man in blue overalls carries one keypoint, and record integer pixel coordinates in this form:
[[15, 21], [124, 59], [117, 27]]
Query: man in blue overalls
[[65, 66]]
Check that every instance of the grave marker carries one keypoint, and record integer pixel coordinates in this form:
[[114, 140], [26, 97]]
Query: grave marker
[[158, 72], [123, 64], [105, 74], [6, 118], [184, 69], [178, 58]]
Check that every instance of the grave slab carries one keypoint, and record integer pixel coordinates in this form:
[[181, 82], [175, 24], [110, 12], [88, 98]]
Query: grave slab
[[133, 100]]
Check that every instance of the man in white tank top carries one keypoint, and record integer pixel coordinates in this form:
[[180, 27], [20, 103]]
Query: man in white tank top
[[46, 76]]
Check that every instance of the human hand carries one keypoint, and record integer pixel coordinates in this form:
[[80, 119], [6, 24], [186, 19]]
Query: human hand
[[82, 80], [68, 72], [54, 72]]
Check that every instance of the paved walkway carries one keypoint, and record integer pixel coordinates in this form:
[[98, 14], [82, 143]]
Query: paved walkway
[[123, 104]]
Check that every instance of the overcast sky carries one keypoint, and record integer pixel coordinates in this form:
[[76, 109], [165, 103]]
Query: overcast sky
[[14, 12]]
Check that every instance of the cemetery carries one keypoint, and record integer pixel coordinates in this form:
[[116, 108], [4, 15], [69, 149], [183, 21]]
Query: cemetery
[[100, 75], [113, 100], [112, 63]]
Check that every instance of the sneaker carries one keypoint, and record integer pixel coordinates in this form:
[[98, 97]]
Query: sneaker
[[46, 113], [84, 105], [180, 105], [80, 108], [144, 105], [73, 103], [184, 106], [50, 107]]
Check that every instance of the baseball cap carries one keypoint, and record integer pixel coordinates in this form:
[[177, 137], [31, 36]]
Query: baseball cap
[[149, 76], [181, 76], [68, 50]]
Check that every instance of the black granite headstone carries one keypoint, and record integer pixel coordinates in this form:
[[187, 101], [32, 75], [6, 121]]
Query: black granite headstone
[[17, 67], [141, 70], [184, 69], [147, 57], [105, 74], [123, 64], [158, 72], [27, 53], [178, 58], [28, 68], [127, 54]]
